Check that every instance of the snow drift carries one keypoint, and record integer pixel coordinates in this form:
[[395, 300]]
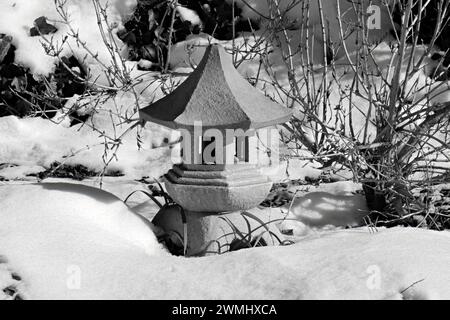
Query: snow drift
[[74, 242]]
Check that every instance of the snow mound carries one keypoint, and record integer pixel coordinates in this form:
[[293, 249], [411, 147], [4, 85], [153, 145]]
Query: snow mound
[[76, 242], [73, 205], [36, 143], [49, 229], [329, 205]]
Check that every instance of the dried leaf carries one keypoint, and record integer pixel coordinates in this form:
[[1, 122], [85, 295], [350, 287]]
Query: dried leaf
[[42, 27]]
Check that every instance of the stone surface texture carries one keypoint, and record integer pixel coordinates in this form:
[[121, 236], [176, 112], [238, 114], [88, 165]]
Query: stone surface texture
[[212, 233], [236, 188], [218, 96], [214, 196]]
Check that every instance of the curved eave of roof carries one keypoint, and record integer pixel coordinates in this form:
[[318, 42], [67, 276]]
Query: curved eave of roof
[[249, 108], [237, 125]]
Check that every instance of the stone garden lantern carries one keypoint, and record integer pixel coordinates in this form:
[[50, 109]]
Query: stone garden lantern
[[224, 122]]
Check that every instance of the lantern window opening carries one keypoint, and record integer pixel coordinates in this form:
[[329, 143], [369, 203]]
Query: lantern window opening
[[208, 147], [206, 144], [242, 149]]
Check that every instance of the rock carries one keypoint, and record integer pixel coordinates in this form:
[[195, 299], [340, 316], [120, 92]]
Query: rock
[[11, 70], [11, 283]]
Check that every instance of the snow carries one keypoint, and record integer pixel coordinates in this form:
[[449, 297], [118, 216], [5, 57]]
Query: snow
[[328, 206], [314, 209], [73, 242], [294, 169], [187, 14], [56, 235], [18, 17], [37, 143], [6, 279], [16, 172]]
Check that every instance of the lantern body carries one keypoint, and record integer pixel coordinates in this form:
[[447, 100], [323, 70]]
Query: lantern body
[[220, 169], [201, 188]]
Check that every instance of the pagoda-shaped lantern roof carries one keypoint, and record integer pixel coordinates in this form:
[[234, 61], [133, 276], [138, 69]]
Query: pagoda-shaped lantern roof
[[216, 95]]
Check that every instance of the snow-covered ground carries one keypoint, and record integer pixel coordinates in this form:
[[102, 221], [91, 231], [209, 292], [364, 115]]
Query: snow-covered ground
[[61, 240], [69, 241], [29, 145]]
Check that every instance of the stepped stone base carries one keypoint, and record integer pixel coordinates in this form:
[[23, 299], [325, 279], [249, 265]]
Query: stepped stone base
[[217, 188], [216, 233]]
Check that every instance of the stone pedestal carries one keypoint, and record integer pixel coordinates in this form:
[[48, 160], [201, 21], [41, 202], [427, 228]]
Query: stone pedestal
[[216, 233], [219, 203]]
